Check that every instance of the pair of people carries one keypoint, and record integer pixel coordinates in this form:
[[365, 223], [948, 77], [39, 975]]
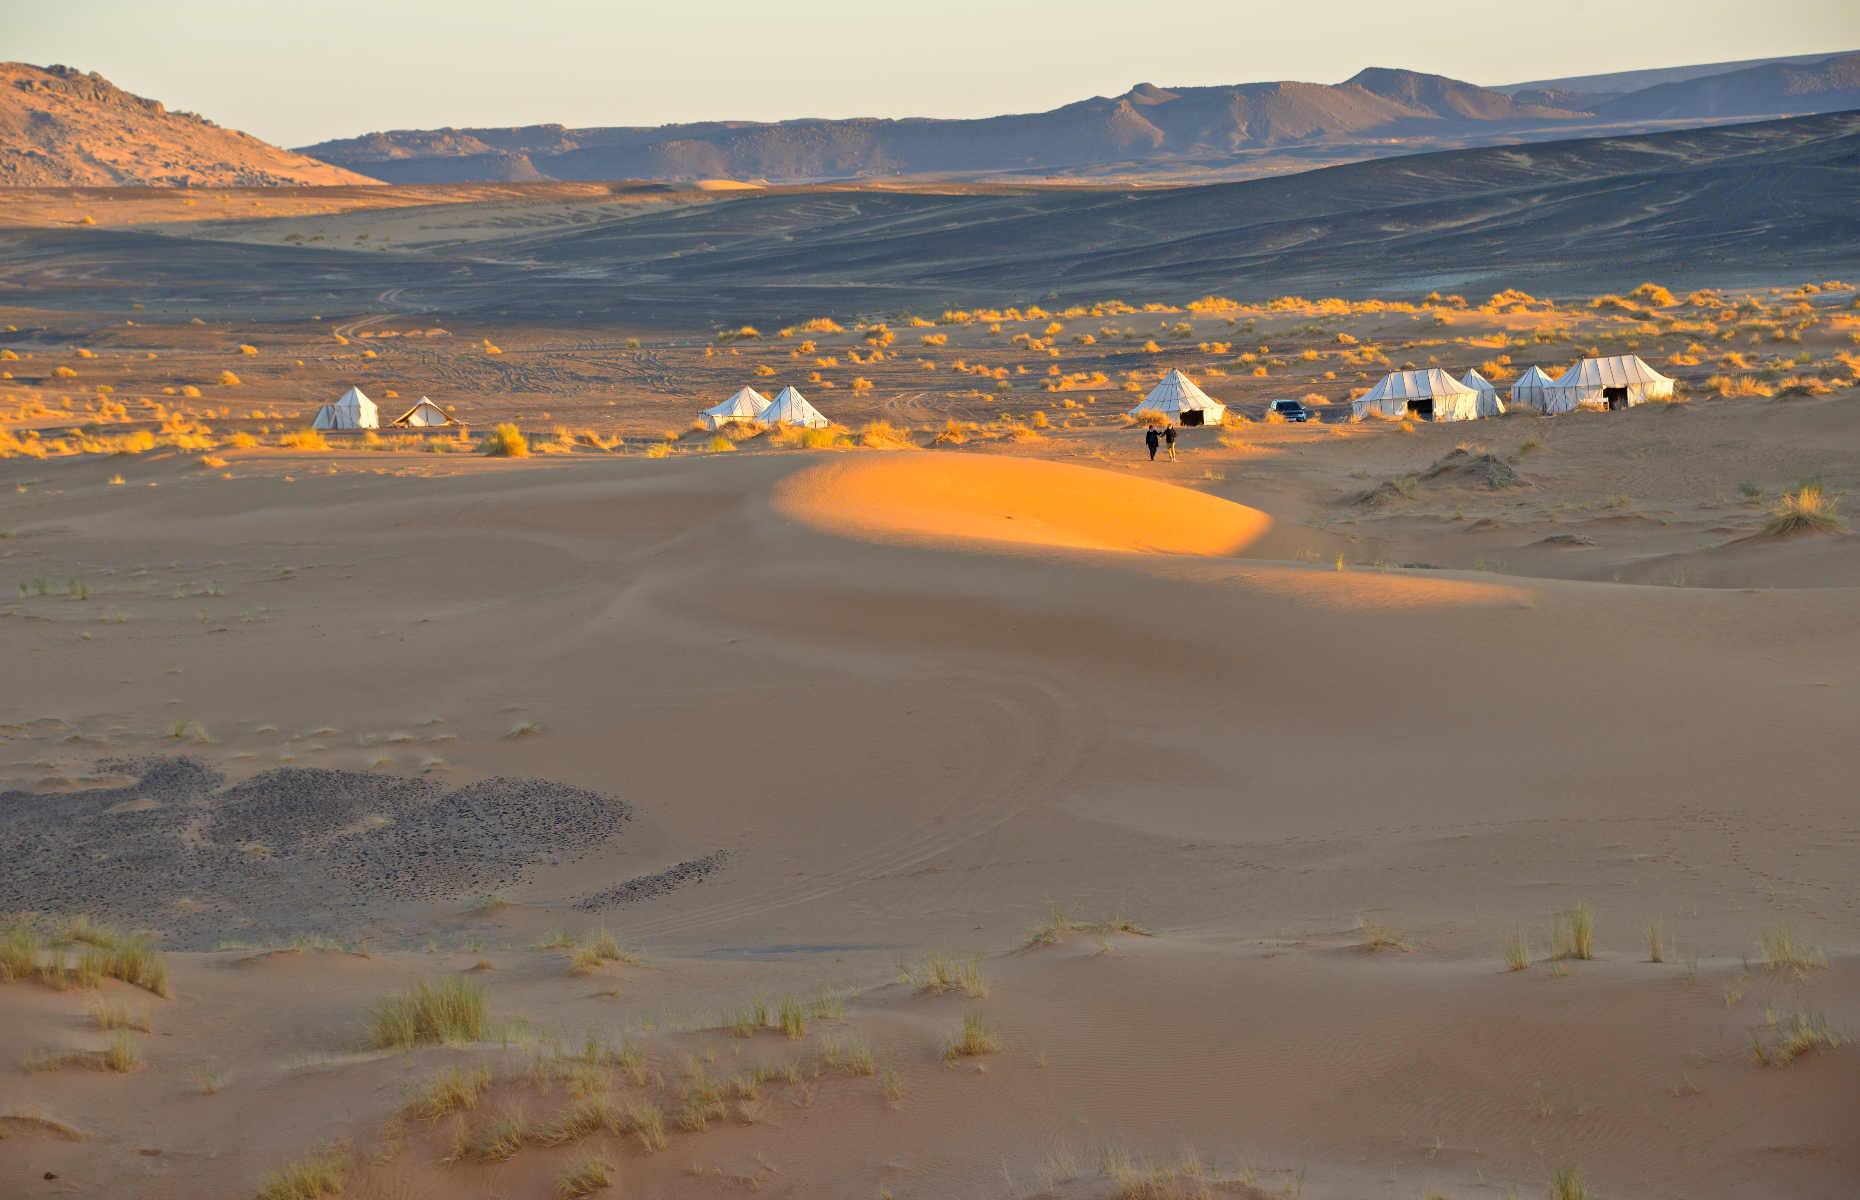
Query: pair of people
[[1152, 439]]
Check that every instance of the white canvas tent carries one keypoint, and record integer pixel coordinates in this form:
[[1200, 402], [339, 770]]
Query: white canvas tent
[[1619, 382], [745, 405], [1534, 390], [791, 408], [352, 411], [1178, 400], [1432, 395], [1489, 403], [423, 415]]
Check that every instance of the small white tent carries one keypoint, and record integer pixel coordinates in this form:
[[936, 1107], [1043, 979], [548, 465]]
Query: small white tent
[[423, 415], [791, 408], [1178, 400], [352, 411], [746, 405], [1619, 382], [1489, 404], [1534, 390], [1432, 395]]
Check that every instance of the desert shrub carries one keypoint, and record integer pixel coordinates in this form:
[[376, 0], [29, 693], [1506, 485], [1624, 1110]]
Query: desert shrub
[[429, 1013], [321, 1173], [880, 435], [1810, 508], [228, 379], [974, 1039], [451, 1092], [719, 444], [303, 439], [936, 339], [593, 1175], [506, 441], [939, 972], [251, 350]]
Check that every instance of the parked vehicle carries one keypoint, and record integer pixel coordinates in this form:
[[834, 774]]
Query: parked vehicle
[[1288, 410]]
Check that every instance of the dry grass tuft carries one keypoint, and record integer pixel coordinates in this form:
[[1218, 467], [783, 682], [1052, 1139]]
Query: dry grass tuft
[[303, 439], [1781, 951], [505, 441], [1572, 934], [324, 1172], [451, 1092], [1656, 940], [594, 1175], [938, 973], [1567, 1184], [1517, 952], [973, 1040], [452, 1010], [1799, 1035], [1808, 509], [114, 1014]]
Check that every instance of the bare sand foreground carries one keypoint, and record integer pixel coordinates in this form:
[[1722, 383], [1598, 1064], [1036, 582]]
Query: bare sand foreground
[[965, 806]]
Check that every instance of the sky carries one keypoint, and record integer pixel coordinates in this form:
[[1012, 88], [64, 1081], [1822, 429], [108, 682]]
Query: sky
[[295, 73]]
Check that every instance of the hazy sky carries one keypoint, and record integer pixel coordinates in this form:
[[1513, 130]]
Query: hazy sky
[[294, 73]]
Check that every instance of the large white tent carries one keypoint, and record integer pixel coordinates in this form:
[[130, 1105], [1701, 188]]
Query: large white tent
[[1489, 403], [790, 407], [1432, 395], [423, 415], [1618, 382], [352, 411], [1178, 400], [745, 405], [1534, 390]]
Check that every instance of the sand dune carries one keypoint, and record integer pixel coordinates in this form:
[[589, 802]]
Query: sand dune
[[966, 498]]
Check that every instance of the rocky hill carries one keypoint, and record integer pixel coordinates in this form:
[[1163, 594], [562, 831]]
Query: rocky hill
[[1774, 89], [1146, 127], [60, 127]]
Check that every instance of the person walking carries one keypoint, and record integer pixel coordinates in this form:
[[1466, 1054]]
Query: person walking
[[1152, 441], [1169, 437]]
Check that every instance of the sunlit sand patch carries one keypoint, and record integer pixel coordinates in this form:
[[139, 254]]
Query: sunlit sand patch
[[966, 499], [969, 500]]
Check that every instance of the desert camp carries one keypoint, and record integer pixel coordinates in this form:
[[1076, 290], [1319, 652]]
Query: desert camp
[[350, 411], [1039, 636], [423, 415], [790, 407], [1431, 395], [1178, 401], [745, 404]]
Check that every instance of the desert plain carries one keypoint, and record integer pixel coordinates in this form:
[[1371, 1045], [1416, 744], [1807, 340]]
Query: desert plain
[[952, 802]]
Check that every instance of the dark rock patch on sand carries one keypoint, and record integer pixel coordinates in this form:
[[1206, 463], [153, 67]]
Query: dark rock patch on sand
[[290, 848]]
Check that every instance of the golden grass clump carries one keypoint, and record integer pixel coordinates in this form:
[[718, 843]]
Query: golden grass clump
[[719, 444], [430, 1013], [1799, 1035], [1781, 951], [880, 435], [591, 1176], [973, 1040], [303, 439], [1811, 508], [453, 1091], [1517, 952], [323, 1172], [1656, 940], [939, 972], [228, 379], [505, 441], [1572, 934], [1567, 1183], [114, 1014]]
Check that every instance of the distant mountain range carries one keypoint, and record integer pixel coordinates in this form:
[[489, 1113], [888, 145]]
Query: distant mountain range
[[1148, 133], [60, 127]]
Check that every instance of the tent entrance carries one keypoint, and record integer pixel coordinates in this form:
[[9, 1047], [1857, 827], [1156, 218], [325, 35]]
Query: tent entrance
[[1191, 416], [1616, 398], [1423, 409]]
